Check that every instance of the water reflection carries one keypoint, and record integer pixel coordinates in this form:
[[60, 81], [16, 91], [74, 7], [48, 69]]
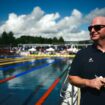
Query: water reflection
[[1, 74], [50, 60], [30, 87]]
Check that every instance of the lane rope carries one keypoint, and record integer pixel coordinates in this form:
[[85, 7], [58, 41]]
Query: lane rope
[[50, 89], [17, 61], [20, 64], [26, 72], [27, 101]]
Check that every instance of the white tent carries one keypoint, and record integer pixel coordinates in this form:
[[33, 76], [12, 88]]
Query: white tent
[[32, 49], [73, 50], [50, 49]]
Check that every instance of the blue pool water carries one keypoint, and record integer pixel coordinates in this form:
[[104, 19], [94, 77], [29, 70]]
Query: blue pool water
[[34, 77]]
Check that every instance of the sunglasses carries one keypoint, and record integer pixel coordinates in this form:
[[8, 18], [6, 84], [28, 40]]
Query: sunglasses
[[96, 27]]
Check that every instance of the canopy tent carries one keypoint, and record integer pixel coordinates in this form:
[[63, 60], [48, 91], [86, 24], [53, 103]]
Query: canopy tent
[[50, 49], [32, 49]]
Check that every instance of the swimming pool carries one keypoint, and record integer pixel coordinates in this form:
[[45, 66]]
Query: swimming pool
[[23, 81]]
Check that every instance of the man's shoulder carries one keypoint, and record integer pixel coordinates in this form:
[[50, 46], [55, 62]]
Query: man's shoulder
[[86, 50]]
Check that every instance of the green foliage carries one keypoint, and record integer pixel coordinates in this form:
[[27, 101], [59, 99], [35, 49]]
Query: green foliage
[[9, 39]]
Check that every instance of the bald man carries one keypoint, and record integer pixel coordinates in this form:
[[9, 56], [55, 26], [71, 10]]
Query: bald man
[[88, 67]]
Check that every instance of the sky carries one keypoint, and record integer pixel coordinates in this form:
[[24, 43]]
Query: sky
[[50, 18]]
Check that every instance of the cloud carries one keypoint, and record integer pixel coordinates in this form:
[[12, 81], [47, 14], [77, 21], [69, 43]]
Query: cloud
[[38, 23], [96, 12], [23, 24]]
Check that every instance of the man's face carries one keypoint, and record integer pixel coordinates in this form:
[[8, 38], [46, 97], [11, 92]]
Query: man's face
[[97, 30]]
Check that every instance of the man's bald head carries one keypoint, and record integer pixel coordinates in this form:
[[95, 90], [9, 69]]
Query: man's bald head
[[99, 20]]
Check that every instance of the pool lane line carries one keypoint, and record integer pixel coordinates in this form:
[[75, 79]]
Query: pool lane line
[[37, 88], [28, 71], [25, 57], [21, 64], [10, 56], [5, 99], [9, 59], [50, 89], [16, 61], [6, 59], [28, 99]]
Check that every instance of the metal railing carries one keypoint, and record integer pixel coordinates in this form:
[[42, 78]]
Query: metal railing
[[70, 94]]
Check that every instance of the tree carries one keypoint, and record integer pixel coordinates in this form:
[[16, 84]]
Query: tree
[[4, 38], [7, 38], [61, 40], [55, 40], [11, 39]]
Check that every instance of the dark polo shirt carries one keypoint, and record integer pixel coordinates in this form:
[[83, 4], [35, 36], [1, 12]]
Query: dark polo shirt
[[88, 63]]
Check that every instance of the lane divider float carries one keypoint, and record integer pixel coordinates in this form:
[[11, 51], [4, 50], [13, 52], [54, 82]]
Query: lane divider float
[[20, 64], [50, 89], [26, 72]]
